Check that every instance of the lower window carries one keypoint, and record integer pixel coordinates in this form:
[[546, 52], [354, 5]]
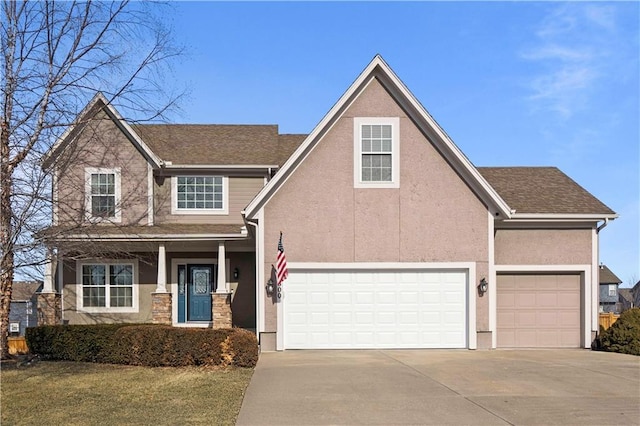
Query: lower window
[[108, 286]]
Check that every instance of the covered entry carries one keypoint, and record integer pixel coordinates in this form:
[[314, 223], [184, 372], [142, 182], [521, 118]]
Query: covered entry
[[375, 308], [538, 310]]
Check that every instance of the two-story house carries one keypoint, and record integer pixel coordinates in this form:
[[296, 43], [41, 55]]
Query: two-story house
[[609, 282], [394, 239]]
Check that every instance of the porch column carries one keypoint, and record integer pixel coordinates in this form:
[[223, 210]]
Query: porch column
[[221, 298], [161, 299], [49, 307], [162, 270], [222, 269]]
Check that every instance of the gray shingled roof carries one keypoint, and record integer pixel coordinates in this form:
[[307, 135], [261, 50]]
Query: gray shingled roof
[[24, 290], [214, 144], [141, 231], [607, 277], [542, 190]]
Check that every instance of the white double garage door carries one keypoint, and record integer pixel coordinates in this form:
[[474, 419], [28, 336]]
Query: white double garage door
[[373, 308]]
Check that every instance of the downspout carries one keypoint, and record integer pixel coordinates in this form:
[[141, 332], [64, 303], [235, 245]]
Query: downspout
[[605, 223], [257, 271]]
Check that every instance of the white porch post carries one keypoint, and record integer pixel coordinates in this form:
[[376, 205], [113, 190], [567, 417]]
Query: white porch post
[[162, 270], [47, 286], [222, 269]]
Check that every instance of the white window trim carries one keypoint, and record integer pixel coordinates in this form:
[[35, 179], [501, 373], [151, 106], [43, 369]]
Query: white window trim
[[96, 309], [225, 198], [612, 289], [88, 171], [358, 122]]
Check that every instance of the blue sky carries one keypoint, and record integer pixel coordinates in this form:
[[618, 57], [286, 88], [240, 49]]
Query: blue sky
[[513, 83]]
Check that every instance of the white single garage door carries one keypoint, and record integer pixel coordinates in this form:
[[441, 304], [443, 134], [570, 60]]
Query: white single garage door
[[362, 309], [538, 311]]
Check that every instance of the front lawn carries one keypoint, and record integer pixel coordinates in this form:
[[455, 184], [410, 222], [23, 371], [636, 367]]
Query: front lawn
[[69, 393]]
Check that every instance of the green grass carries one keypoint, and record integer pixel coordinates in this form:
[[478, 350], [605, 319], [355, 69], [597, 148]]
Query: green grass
[[56, 393]]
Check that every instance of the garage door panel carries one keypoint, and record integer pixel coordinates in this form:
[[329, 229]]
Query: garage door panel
[[376, 309], [538, 310]]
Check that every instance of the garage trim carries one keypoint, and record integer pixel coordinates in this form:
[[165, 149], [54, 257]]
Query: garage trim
[[586, 289], [470, 268]]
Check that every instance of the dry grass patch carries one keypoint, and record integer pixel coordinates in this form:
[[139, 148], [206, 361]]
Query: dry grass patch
[[96, 394]]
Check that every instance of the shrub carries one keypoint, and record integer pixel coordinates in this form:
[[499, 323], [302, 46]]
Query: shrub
[[144, 344], [82, 343], [624, 335]]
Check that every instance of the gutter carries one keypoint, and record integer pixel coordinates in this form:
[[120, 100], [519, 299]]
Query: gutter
[[605, 223]]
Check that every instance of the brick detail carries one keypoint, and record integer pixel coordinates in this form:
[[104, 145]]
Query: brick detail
[[49, 309], [161, 308], [221, 310]]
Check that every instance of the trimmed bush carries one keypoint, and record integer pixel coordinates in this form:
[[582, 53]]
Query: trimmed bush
[[145, 345], [82, 343], [624, 335]]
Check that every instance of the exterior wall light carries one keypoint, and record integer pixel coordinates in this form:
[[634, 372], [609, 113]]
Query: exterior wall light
[[269, 287], [236, 273], [483, 286]]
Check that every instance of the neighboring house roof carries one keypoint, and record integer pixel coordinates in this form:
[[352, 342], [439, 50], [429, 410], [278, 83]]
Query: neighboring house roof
[[378, 69], [218, 144], [144, 232], [608, 277], [625, 293], [542, 190], [23, 291]]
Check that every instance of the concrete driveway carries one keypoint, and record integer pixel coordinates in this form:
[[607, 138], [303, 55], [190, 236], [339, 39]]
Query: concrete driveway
[[457, 387]]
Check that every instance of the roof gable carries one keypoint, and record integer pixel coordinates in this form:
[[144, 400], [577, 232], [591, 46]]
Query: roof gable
[[378, 69], [24, 290], [97, 104]]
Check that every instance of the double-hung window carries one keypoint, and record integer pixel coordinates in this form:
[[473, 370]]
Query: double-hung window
[[613, 290], [107, 286], [102, 191], [376, 152], [200, 195]]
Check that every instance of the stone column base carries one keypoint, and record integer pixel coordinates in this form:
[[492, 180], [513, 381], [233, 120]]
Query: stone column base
[[49, 309], [161, 308], [221, 310]]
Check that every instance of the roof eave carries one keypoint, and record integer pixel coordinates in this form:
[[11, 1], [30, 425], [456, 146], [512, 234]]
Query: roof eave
[[148, 238], [515, 217]]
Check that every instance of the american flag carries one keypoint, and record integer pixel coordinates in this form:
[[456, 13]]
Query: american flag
[[281, 264]]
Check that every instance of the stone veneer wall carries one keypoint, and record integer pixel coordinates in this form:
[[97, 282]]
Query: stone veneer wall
[[161, 308], [49, 309], [221, 310]]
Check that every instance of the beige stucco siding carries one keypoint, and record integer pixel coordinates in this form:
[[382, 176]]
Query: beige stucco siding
[[146, 285], [432, 217], [101, 145], [543, 247], [241, 192]]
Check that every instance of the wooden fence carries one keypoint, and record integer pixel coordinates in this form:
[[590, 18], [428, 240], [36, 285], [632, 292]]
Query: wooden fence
[[18, 345], [606, 320]]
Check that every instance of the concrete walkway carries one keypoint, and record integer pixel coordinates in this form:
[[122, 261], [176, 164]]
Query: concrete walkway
[[458, 387]]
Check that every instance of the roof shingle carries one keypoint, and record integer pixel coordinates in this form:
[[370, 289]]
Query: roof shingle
[[218, 144], [542, 190]]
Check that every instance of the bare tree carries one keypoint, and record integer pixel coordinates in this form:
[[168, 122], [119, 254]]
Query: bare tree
[[55, 57]]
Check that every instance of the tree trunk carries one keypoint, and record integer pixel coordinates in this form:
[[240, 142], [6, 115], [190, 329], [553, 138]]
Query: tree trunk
[[6, 243]]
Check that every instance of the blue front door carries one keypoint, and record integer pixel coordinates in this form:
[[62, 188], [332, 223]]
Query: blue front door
[[199, 285]]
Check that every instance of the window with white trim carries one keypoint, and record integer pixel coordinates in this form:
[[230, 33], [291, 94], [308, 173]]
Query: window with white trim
[[102, 191], [613, 290], [376, 152], [200, 195], [107, 286]]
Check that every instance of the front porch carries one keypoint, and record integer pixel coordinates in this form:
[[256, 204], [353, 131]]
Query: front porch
[[180, 280]]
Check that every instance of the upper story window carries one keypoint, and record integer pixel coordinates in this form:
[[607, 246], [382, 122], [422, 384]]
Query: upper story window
[[107, 286], [613, 290], [102, 194], [200, 195], [376, 152]]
